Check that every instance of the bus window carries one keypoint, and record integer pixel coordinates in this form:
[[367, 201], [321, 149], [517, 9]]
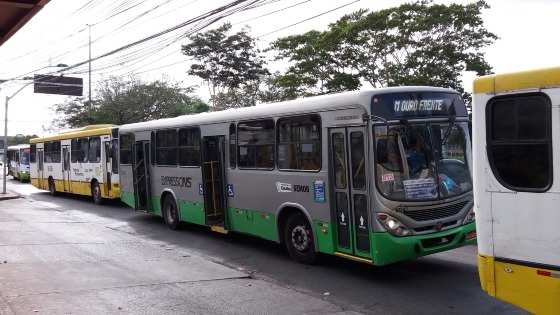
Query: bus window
[[189, 147], [339, 160], [75, 155], [256, 144], [357, 158], [125, 149], [115, 156], [84, 150], [166, 147], [520, 146], [32, 153], [52, 152], [24, 157], [94, 153], [299, 143], [232, 145]]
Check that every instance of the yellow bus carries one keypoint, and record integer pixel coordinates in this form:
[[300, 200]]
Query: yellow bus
[[81, 161], [516, 146]]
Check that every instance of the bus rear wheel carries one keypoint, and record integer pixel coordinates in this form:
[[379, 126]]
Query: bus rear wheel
[[298, 238], [52, 187], [96, 193], [170, 212]]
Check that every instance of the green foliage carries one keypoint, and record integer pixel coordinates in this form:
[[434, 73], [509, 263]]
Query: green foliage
[[418, 43], [230, 65], [127, 101], [19, 139]]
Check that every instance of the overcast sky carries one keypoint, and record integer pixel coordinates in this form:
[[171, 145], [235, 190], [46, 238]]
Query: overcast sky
[[58, 34]]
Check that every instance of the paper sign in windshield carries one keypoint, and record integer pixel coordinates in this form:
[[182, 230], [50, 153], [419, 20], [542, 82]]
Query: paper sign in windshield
[[420, 188], [389, 177]]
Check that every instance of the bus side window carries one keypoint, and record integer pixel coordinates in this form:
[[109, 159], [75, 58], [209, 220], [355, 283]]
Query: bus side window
[[232, 146], [189, 147], [166, 147], [84, 149], [125, 148], [32, 153], [94, 153], [75, 151], [115, 156], [299, 143], [256, 144]]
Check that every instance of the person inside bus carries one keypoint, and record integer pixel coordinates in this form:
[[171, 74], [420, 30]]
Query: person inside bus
[[416, 156], [389, 168]]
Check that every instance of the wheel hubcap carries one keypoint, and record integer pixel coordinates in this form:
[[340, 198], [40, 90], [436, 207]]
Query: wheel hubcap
[[300, 238]]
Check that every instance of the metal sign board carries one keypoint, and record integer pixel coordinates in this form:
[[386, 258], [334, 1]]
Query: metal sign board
[[50, 84]]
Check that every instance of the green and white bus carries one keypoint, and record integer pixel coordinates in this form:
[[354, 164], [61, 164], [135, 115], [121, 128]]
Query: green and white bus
[[18, 162], [376, 176]]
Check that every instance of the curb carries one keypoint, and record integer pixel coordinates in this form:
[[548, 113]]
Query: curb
[[9, 196]]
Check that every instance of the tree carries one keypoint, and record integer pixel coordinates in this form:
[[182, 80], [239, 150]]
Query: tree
[[229, 64], [127, 101], [417, 43]]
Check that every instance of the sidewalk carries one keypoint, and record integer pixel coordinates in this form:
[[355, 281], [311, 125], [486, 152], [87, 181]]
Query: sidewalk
[[9, 194]]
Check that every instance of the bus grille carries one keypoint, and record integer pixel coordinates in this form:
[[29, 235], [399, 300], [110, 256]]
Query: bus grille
[[435, 213]]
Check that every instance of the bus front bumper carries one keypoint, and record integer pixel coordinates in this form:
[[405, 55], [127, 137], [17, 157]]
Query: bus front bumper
[[390, 249], [24, 176], [531, 287]]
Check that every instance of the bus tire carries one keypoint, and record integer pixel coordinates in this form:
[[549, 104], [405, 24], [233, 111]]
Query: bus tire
[[170, 212], [96, 193], [298, 238], [52, 187]]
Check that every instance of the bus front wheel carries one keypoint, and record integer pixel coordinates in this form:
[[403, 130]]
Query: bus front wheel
[[170, 212], [298, 238]]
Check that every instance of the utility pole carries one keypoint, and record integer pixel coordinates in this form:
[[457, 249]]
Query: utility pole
[[5, 166], [89, 72]]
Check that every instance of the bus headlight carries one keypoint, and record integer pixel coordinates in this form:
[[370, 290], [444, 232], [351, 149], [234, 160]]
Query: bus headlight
[[470, 217], [393, 225]]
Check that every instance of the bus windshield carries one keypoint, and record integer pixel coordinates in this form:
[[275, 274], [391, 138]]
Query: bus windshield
[[24, 159], [424, 161]]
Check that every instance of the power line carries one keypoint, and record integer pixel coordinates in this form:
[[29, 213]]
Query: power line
[[307, 19], [171, 29], [270, 13]]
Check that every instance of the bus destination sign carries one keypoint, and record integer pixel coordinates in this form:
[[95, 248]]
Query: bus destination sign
[[420, 104]]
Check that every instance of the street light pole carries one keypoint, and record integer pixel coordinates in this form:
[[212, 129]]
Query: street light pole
[[89, 71], [8, 97], [6, 134]]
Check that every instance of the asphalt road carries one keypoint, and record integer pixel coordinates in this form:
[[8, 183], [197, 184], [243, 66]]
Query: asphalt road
[[257, 270]]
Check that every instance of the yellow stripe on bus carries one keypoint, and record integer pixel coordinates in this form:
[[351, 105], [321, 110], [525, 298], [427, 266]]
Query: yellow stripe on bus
[[523, 80], [520, 285], [77, 187]]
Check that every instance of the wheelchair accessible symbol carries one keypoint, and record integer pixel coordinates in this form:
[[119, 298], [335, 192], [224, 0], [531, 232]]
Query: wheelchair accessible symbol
[[230, 190]]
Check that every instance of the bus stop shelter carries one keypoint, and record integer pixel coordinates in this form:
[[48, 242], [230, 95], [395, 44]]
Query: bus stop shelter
[[14, 14]]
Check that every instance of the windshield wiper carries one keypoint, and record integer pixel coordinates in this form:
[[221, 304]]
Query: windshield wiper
[[448, 131]]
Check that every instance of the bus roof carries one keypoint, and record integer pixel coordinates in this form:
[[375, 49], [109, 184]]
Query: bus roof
[[91, 130], [298, 106], [18, 147], [522, 80]]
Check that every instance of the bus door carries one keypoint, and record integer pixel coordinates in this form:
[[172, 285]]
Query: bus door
[[349, 204], [66, 167], [141, 175], [106, 162], [213, 179], [40, 167]]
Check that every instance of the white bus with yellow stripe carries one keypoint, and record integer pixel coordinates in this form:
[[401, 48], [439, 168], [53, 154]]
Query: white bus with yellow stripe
[[81, 161], [516, 146]]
